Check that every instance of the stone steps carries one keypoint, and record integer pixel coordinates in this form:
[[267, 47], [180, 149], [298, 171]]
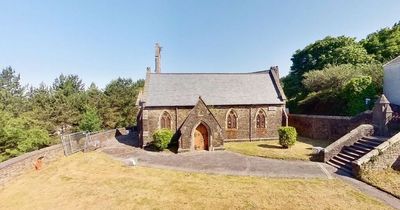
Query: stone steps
[[348, 154]]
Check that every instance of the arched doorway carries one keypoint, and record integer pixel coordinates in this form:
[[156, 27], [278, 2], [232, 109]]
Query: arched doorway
[[201, 137]]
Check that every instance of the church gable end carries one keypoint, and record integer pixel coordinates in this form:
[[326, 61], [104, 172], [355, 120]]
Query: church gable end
[[200, 115]]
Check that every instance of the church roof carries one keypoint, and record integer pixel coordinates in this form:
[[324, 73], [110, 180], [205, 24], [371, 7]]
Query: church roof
[[184, 89]]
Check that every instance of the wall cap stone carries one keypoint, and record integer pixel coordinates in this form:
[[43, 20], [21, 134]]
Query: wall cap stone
[[380, 148], [12, 161]]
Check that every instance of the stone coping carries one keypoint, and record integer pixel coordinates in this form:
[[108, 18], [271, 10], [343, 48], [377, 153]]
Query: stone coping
[[346, 140], [379, 149], [22, 157], [331, 116], [321, 116]]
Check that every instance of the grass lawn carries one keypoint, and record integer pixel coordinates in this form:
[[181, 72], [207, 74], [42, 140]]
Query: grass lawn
[[388, 180], [302, 150], [95, 181]]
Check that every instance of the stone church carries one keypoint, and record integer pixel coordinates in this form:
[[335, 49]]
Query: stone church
[[204, 110]]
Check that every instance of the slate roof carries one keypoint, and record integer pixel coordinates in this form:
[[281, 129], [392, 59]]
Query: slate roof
[[184, 89], [394, 61]]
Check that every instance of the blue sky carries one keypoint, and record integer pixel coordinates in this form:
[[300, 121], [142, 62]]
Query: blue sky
[[103, 40]]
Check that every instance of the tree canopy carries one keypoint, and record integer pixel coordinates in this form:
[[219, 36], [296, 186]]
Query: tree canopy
[[384, 44], [32, 117], [321, 70], [320, 54], [341, 90]]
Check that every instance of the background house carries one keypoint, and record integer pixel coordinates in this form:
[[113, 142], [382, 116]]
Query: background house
[[391, 87]]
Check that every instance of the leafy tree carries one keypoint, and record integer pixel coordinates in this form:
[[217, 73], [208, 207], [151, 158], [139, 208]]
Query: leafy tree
[[320, 54], [356, 91], [121, 95], [384, 44], [11, 92], [19, 135], [335, 77], [42, 107], [326, 88], [90, 120], [69, 84], [69, 102]]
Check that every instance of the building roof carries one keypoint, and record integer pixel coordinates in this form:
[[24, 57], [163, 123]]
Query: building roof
[[393, 62], [184, 89]]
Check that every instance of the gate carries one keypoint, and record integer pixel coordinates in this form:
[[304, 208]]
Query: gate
[[74, 142]]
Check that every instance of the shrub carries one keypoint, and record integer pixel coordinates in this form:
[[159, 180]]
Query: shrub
[[287, 136], [161, 138]]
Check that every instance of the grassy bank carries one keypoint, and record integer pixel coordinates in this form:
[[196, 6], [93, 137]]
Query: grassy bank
[[94, 181]]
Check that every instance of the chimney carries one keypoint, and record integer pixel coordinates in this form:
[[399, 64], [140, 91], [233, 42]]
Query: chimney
[[158, 58], [276, 70]]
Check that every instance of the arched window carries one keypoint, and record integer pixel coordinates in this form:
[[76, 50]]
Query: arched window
[[165, 120], [231, 120], [260, 119]]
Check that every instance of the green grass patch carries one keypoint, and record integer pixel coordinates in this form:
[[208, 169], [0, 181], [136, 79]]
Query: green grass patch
[[302, 150]]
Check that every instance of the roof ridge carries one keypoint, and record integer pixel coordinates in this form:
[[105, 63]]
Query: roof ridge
[[196, 73]]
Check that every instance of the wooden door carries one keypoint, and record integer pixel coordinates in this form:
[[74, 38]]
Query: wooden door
[[201, 138]]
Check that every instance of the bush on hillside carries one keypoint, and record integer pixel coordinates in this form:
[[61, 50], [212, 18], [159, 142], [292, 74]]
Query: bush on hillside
[[287, 136], [161, 138]]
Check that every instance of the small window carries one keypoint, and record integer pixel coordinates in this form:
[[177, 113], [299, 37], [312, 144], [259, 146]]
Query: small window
[[260, 119], [232, 120], [165, 121]]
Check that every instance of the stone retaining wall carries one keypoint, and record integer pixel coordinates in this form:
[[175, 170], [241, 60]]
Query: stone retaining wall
[[382, 157], [16, 166], [327, 127]]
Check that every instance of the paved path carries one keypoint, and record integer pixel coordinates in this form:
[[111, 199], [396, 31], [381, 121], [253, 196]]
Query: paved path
[[219, 162]]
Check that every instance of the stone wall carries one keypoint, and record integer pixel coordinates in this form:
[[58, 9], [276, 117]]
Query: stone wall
[[327, 127], [347, 140], [18, 165], [246, 121], [97, 140], [382, 157]]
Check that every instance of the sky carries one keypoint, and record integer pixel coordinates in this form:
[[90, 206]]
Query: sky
[[103, 40]]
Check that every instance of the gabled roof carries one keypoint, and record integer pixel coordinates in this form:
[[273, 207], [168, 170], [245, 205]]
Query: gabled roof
[[184, 89], [393, 62]]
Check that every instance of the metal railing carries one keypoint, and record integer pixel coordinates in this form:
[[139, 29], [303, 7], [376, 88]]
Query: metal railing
[[84, 141]]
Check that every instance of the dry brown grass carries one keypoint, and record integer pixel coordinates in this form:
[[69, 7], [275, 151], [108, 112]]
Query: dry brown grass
[[94, 181], [388, 180], [302, 150]]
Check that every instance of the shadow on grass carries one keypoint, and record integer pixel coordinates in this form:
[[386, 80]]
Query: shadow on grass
[[270, 146]]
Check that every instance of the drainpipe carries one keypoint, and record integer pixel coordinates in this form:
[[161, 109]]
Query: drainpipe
[[286, 116], [250, 120], [176, 119]]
